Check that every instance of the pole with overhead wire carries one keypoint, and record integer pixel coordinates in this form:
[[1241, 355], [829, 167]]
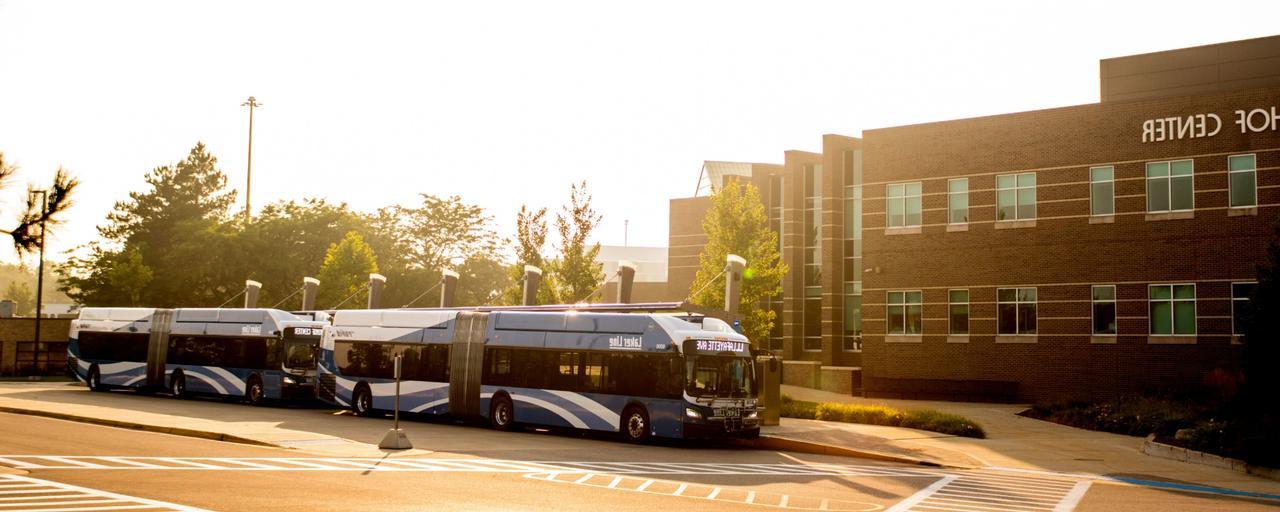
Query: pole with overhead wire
[[248, 186], [44, 208]]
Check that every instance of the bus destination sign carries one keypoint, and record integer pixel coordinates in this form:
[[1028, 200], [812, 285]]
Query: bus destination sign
[[307, 331], [723, 346]]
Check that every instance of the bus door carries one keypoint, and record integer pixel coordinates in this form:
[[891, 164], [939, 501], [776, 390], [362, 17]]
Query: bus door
[[158, 347], [466, 360]]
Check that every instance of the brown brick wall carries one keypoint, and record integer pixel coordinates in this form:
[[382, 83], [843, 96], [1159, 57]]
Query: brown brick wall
[[1064, 253], [14, 330]]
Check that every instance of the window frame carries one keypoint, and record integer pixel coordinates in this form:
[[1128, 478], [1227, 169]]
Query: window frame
[[1092, 182], [1173, 310], [1093, 311], [1017, 193], [968, 298], [1169, 191], [951, 198], [906, 317], [1234, 299], [1231, 183], [903, 198], [1017, 303]]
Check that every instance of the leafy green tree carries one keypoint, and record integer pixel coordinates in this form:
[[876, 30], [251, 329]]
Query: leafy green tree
[[531, 236], [481, 281], [178, 226], [287, 241], [346, 269], [416, 243], [129, 276], [1261, 352], [20, 293], [577, 271], [737, 223]]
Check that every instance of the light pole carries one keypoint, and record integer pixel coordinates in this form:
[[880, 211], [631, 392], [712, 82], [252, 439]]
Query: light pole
[[248, 187], [44, 207]]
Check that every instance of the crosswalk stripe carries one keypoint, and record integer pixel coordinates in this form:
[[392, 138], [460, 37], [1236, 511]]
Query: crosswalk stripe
[[249, 464], [133, 463], [44, 503], [50, 496], [41, 497], [67, 460]]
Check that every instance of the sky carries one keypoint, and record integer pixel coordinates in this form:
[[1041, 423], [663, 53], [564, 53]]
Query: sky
[[508, 103]]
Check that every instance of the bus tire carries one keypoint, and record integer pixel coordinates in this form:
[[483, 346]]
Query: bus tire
[[502, 414], [635, 424], [178, 385], [362, 401], [253, 393], [94, 380]]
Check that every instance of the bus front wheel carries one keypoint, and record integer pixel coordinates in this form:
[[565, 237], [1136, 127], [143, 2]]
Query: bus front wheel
[[253, 395], [178, 385], [501, 414], [635, 425], [362, 402], [95, 379]]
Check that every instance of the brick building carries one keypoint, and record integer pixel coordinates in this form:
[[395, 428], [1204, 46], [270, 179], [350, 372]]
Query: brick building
[[21, 356], [1069, 252]]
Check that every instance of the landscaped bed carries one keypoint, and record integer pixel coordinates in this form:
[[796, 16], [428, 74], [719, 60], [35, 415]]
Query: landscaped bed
[[922, 419]]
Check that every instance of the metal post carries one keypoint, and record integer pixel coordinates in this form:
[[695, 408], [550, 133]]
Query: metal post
[[44, 210], [251, 289], [448, 287], [626, 276], [733, 282], [532, 276], [309, 287], [376, 282], [248, 186], [395, 438]]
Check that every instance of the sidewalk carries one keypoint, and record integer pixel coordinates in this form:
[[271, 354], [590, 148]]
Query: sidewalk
[[1012, 442]]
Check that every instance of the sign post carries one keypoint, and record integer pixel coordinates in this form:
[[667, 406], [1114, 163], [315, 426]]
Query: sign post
[[395, 438]]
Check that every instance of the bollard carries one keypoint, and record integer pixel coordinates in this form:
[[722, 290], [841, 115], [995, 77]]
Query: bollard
[[396, 438], [251, 289], [532, 277], [448, 286], [376, 283], [626, 277], [733, 282], [310, 286]]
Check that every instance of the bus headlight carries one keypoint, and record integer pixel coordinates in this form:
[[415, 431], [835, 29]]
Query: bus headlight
[[752, 415], [692, 413], [288, 380]]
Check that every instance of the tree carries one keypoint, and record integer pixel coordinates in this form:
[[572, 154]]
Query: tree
[[287, 241], [177, 227], [738, 224], [20, 293], [577, 271], [1260, 353], [416, 243], [531, 236], [481, 281], [129, 276], [347, 265]]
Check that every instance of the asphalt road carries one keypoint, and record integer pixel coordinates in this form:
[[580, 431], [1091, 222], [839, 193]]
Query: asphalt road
[[547, 472]]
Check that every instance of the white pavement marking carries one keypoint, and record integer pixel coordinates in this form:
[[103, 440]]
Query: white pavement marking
[[48, 496], [921, 495], [1073, 497]]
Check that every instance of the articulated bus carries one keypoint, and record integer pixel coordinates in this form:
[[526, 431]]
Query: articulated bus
[[637, 374], [253, 354]]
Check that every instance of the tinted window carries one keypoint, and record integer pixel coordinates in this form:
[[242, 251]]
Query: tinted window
[[114, 346]]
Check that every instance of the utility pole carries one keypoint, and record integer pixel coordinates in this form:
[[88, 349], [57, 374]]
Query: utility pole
[[44, 209], [248, 187], [626, 228]]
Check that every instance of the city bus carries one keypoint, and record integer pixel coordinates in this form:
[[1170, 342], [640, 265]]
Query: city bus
[[249, 354], [637, 374]]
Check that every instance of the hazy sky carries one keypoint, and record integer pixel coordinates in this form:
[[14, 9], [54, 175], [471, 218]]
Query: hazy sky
[[508, 103]]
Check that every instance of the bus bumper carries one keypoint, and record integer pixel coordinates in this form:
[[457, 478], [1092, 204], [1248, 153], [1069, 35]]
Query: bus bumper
[[717, 430]]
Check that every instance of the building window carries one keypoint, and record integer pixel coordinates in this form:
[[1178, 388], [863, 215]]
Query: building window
[[852, 318], [1242, 171], [1016, 196], [1102, 191], [1016, 311], [1173, 309], [812, 323], [852, 339], [958, 313], [1170, 187], [1104, 309], [904, 313], [813, 225], [903, 201], [958, 201], [1241, 294], [775, 302]]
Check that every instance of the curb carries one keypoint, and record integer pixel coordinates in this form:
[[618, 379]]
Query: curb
[[177, 431], [1178, 453], [795, 445]]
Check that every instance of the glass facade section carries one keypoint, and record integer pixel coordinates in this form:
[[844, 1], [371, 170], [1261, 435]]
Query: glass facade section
[[902, 202], [958, 312], [1170, 186], [1242, 172], [904, 312], [1104, 309], [1102, 191], [1016, 196], [775, 303], [813, 257], [1241, 294], [1172, 309], [852, 267], [1016, 311], [958, 201]]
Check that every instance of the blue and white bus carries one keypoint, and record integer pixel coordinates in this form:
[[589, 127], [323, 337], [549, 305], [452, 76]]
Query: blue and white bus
[[638, 374], [254, 354]]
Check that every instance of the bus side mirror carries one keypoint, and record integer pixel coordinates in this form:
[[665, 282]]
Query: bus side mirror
[[688, 347], [773, 365]]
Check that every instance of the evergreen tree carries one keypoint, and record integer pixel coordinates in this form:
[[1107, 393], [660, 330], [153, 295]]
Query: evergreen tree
[[531, 236], [737, 223], [577, 272], [23, 300], [346, 269]]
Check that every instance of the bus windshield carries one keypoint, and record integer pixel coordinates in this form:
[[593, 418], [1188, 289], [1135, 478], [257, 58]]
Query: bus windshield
[[299, 354], [719, 376]]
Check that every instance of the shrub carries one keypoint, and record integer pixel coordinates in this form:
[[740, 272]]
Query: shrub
[[922, 419]]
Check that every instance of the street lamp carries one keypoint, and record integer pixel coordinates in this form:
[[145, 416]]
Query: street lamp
[[44, 208], [248, 187]]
